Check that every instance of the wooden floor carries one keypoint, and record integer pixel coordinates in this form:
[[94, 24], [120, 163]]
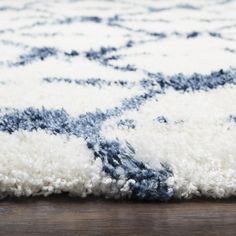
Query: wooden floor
[[61, 215]]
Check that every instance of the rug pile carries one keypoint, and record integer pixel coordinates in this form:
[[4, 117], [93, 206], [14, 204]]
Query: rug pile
[[120, 99]]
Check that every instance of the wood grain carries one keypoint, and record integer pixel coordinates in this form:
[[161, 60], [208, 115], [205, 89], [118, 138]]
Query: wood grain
[[61, 215]]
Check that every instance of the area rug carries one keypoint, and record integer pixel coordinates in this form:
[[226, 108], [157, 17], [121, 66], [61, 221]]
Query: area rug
[[122, 99]]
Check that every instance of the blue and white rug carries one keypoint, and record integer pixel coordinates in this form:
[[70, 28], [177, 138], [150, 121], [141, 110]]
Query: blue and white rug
[[120, 98]]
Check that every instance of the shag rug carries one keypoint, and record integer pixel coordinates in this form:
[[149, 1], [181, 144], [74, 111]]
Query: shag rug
[[120, 99]]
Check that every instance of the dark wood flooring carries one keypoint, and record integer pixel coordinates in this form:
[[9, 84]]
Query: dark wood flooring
[[61, 215]]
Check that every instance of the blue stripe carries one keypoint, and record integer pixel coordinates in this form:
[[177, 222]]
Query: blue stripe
[[96, 82], [194, 82]]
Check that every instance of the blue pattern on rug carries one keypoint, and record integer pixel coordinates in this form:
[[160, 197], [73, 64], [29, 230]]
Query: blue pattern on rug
[[116, 59]]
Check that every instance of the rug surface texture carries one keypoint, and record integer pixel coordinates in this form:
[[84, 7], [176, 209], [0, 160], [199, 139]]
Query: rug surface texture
[[118, 98]]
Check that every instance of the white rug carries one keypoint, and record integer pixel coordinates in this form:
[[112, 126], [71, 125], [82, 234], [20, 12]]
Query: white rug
[[121, 98]]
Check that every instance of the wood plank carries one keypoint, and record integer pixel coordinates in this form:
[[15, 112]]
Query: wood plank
[[61, 215]]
